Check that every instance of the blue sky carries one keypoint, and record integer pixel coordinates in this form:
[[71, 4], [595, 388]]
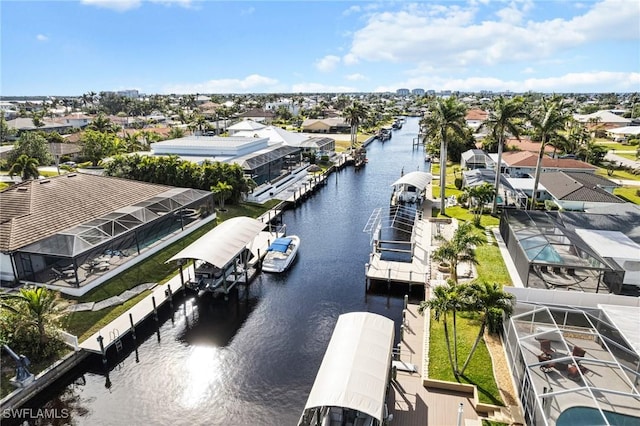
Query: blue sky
[[186, 46]]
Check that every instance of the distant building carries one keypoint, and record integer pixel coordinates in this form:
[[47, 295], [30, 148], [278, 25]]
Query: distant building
[[403, 92], [431, 92], [133, 94], [417, 92]]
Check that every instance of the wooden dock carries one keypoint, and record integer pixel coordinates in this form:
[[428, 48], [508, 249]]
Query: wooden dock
[[410, 402], [112, 333]]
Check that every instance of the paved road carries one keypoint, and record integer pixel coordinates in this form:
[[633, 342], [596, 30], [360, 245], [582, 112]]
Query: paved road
[[622, 160]]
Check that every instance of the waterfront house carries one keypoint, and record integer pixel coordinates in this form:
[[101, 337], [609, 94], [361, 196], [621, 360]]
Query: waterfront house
[[69, 230], [523, 163], [579, 190]]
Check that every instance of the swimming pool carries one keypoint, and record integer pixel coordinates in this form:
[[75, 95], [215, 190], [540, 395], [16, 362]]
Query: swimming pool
[[591, 416]]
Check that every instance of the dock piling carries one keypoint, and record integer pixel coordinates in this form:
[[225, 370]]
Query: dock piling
[[170, 296], [133, 327], [155, 309], [104, 355]]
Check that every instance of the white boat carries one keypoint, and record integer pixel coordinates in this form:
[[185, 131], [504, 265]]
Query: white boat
[[281, 253]]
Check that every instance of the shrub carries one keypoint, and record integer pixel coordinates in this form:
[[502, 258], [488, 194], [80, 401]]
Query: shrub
[[458, 183]]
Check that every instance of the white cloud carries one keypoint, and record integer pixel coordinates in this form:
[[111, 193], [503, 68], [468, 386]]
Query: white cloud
[[42, 37], [124, 5], [320, 88], [528, 70], [250, 84], [452, 35], [328, 63], [599, 81], [355, 77]]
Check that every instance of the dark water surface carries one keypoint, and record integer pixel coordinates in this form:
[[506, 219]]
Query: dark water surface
[[252, 360]]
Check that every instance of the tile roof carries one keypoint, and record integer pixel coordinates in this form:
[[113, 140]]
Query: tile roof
[[476, 114], [36, 209], [575, 187], [525, 144], [529, 159]]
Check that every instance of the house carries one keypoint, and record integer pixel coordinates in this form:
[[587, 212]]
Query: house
[[304, 142], [259, 115], [602, 119], [53, 230], [476, 159], [523, 163], [77, 120], [26, 125], [326, 125], [245, 126], [579, 190], [475, 118], [260, 159], [525, 144]]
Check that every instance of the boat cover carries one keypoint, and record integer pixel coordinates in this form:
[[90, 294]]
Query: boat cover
[[418, 179], [224, 242], [280, 244], [355, 369]]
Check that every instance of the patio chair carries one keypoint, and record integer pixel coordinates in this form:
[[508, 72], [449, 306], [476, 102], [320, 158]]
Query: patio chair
[[545, 346], [578, 351], [572, 371], [545, 367]]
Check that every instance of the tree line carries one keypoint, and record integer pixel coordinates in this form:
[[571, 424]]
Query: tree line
[[182, 173]]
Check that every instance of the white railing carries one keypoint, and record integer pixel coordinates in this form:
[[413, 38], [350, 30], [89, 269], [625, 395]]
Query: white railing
[[70, 340]]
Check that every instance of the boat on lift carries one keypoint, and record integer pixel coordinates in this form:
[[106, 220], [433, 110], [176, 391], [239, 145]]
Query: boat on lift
[[281, 254]]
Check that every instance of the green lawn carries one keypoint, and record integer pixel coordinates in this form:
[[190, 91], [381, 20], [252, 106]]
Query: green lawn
[[617, 174], [629, 193], [478, 373]]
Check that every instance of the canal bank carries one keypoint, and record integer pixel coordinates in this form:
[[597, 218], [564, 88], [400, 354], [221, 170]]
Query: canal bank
[[253, 359]]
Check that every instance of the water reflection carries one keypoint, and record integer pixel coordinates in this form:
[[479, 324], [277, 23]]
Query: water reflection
[[252, 360]]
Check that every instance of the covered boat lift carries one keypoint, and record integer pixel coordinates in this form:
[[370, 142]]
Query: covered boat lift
[[220, 257], [351, 385], [410, 188]]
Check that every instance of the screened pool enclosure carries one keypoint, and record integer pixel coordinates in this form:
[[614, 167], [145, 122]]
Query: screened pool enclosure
[[86, 251]]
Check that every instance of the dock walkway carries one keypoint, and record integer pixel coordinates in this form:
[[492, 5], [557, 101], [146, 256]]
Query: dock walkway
[[160, 294], [410, 402]]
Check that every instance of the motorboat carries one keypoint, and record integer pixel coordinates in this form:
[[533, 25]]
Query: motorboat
[[281, 253]]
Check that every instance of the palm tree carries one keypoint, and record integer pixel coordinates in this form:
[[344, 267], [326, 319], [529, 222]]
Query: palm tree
[[460, 248], [101, 123], [354, 115], [441, 303], [548, 120], [504, 118], [446, 115], [26, 167], [477, 197], [41, 309], [222, 190], [494, 304]]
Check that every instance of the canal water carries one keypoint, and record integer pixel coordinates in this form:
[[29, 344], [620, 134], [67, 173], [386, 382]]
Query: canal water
[[251, 360]]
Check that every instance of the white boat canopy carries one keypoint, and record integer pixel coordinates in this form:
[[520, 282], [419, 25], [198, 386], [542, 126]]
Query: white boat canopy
[[418, 179], [223, 243], [355, 369]]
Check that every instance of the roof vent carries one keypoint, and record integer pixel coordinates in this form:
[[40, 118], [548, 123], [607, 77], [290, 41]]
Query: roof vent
[[72, 175], [22, 189], [45, 181]]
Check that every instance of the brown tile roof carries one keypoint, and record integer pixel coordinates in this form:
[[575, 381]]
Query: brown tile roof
[[37, 209], [575, 187], [525, 144], [476, 114], [529, 159]]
